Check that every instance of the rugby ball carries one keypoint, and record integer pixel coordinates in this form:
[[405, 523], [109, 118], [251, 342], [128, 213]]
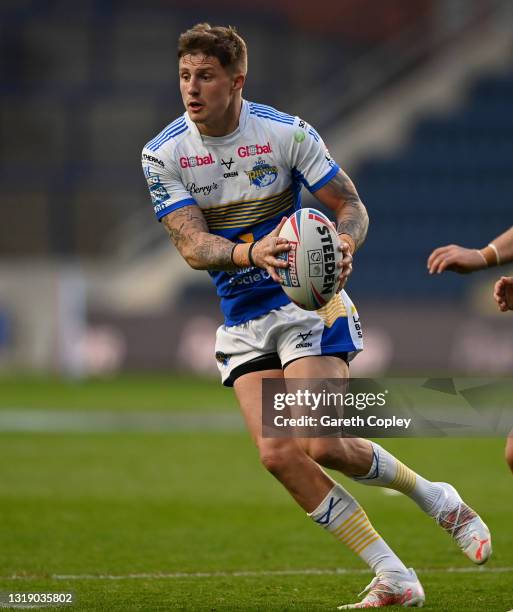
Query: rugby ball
[[311, 279]]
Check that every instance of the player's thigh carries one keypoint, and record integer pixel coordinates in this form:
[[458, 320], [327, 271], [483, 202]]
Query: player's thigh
[[275, 453], [317, 366], [330, 452], [248, 391]]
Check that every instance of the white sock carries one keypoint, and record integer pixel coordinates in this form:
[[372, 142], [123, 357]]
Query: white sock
[[387, 471], [341, 515]]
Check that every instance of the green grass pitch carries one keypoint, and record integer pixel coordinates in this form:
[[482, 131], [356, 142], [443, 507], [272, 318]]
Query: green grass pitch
[[190, 521]]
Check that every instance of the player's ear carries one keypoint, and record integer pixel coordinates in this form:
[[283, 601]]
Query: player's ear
[[238, 81]]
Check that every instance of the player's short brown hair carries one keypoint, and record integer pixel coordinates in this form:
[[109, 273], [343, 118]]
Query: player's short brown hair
[[222, 42]]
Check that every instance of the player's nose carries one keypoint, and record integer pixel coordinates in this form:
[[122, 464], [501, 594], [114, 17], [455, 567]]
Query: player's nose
[[193, 87]]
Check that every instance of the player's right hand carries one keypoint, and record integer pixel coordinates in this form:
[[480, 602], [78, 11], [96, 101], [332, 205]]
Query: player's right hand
[[456, 259], [265, 250], [503, 293]]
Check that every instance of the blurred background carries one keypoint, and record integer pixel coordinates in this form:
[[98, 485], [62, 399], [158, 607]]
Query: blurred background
[[125, 463], [413, 99]]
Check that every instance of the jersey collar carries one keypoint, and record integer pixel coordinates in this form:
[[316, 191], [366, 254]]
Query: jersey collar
[[221, 140]]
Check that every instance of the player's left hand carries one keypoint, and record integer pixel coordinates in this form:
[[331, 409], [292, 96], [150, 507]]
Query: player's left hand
[[267, 249], [503, 293], [456, 259], [346, 265]]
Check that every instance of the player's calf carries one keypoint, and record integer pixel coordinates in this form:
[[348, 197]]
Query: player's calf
[[285, 459]]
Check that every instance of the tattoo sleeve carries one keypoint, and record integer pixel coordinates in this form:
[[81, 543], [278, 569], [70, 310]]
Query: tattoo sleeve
[[341, 196], [202, 250]]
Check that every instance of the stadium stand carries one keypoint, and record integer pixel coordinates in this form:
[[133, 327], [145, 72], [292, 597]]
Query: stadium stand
[[452, 183], [83, 86]]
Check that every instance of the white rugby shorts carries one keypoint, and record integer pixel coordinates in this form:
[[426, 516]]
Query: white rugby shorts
[[275, 339]]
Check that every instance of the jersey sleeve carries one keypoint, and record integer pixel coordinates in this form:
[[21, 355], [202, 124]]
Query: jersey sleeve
[[164, 182], [310, 160]]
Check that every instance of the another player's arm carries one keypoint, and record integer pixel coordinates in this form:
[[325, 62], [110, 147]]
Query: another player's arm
[[202, 250], [459, 259], [340, 196]]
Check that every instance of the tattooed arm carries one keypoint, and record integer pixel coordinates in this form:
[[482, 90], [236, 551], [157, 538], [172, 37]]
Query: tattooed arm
[[340, 195], [202, 250]]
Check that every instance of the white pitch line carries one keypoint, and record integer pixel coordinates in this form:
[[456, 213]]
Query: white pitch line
[[254, 573]]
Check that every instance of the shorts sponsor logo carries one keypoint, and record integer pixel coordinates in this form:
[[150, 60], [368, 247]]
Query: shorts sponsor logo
[[262, 174], [204, 190], [196, 160], [255, 149], [357, 326], [304, 338], [153, 160]]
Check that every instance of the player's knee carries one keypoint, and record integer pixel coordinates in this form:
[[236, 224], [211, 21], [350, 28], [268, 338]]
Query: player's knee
[[277, 456]]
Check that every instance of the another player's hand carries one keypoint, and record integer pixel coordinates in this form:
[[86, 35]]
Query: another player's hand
[[456, 259], [503, 293], [346, 265], [267, 248]]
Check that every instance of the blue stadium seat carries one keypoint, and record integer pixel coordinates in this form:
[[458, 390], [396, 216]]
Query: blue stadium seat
[[452, 183]]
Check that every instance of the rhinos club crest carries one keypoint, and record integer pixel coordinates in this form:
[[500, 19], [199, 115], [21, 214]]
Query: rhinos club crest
[[262, 174]]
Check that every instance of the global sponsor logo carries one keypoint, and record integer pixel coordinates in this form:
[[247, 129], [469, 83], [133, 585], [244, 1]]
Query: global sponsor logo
[[255, 149], [196, 160], [153, 160], [328, 251], [262, 174], [204, 190]]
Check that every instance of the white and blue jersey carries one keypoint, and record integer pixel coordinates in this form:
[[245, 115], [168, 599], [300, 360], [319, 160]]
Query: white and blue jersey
[[244, 184]]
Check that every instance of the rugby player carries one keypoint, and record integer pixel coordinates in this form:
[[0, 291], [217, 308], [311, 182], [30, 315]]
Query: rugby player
[[456, 258], [223, 178]]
